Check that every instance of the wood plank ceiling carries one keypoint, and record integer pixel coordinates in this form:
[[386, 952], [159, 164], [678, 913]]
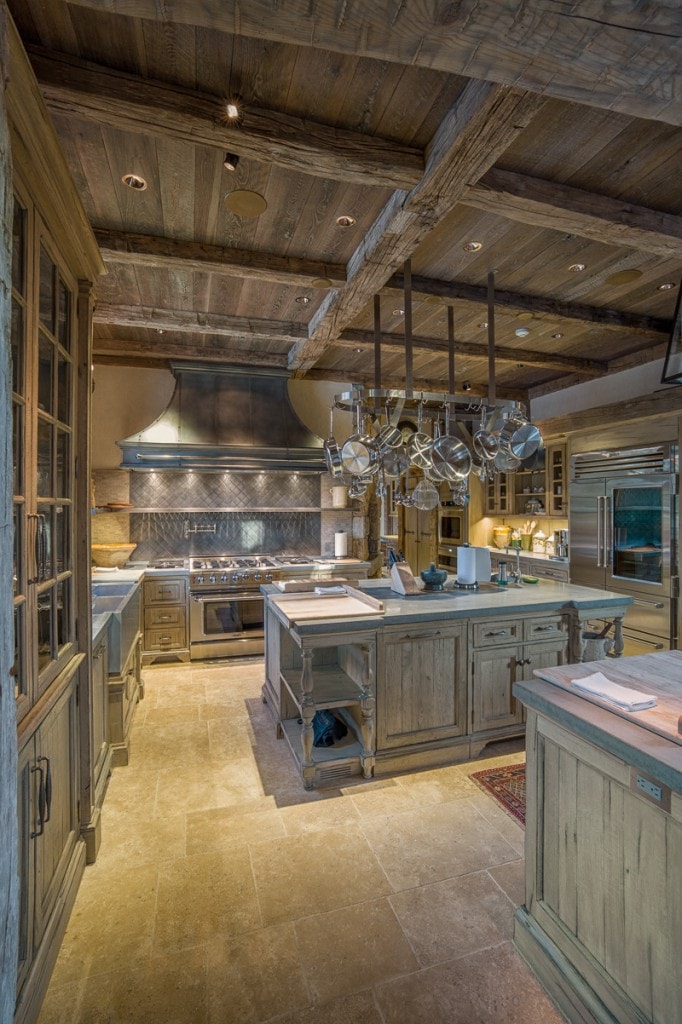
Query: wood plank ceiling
[[548, 136]]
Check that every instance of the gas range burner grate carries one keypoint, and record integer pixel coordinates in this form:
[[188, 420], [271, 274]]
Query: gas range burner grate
[[295, 560], [226, 562]]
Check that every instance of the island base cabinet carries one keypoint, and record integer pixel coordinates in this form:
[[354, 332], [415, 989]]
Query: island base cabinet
[[99, 767], [125, 690], [421, 694], [51, 852], [602, 923]]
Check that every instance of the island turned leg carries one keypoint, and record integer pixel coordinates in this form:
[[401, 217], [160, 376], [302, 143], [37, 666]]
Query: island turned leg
[[618, 641], [367, 708], [307, 715]]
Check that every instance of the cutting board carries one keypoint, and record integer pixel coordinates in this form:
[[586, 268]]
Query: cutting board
[[308, 607], [658, 674]]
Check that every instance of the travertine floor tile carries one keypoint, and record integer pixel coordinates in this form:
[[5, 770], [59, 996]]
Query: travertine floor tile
[[502, 820], [439, 785], [205, 786], [203, 897], [490, 987], [510, 878], [451, 918], [313, 872], [380, 796], [348, 950], [209, 831], [172, 744], [358, 1008], [333, 812], [435, 842], [141, 840], [255, 977]]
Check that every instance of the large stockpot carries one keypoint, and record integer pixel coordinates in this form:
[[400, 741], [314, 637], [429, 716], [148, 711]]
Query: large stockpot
[[332, 454], [360, 455]]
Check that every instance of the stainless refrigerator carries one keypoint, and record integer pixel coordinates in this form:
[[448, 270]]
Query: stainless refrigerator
[[623, 536]]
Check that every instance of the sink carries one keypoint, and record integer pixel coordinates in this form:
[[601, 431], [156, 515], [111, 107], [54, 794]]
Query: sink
[[121, 602]]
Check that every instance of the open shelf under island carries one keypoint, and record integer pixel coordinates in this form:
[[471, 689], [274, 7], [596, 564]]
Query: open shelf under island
[[422, 680]]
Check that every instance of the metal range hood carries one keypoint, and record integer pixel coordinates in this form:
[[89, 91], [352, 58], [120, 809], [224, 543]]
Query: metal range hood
[[226, 418]]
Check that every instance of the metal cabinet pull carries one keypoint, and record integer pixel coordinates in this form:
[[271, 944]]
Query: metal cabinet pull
[[544, 629], [41, 803], [48, 788], [649, 604], [422, 636], [497, 632], [36, 549]]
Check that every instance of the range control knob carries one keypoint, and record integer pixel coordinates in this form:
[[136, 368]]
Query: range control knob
[[211, 578], [235, 577], [223, 577], [268, 577], [199, 579], [245, 576], [257, 577]]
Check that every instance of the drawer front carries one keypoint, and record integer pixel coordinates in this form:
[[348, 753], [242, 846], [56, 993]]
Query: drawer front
[[164, 639], [549, 572], [161, 591], [545, 628], [497, 631], [165, 615]]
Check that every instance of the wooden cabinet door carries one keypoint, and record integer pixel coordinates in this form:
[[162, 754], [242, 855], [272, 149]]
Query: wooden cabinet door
[[57, 755], [494, 671], [421, 685], [100, 713], [27, 790], [547, 654]]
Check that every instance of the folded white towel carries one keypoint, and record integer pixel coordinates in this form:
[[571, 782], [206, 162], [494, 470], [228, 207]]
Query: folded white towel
[[621, 696], [323, 591]]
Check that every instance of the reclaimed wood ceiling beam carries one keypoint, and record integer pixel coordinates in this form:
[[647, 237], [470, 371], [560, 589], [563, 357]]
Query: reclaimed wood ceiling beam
[[140, 250], [609, 319], [548, 204], [484, 121], [623, 56], [125, 352], [78, 88], [531, 357], [196, 322]]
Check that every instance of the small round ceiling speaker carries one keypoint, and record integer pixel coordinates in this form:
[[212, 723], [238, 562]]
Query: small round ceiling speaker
[[246, 203]]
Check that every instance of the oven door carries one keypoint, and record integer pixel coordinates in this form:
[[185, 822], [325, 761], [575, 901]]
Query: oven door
[[452, 526], [226, 624]]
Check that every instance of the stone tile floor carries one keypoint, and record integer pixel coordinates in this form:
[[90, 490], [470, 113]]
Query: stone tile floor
[[223, 893]]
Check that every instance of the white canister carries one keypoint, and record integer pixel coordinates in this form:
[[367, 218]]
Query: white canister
[[340, 544], [339, 496]]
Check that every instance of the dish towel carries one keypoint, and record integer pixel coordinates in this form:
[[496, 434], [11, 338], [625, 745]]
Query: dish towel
[[621, 696]]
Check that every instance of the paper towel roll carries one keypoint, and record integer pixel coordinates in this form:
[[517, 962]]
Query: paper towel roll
[[340, 544], [466, 564]]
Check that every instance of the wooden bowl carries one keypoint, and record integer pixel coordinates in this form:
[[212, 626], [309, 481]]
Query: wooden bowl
[[111, 555]]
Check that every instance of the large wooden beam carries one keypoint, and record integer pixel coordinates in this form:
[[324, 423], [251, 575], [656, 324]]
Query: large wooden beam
[[548, 204], [483, 122], [125, 352], [644, 407], [196, 322], [78, 88], [541, 305], [170, 254], [624, 56], [394, 343]]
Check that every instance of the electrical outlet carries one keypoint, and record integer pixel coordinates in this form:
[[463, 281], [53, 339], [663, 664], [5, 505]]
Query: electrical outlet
[[650, 788]]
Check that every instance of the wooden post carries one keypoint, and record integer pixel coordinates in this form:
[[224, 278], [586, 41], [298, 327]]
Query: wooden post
[[9, 891]]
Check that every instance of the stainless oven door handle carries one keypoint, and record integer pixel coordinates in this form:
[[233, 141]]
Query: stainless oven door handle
[[222, 598]]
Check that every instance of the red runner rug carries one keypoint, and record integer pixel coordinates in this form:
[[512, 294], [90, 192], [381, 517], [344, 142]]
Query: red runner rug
[[508, 785]]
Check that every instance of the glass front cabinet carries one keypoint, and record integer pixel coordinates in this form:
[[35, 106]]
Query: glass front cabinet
[[55, 261]]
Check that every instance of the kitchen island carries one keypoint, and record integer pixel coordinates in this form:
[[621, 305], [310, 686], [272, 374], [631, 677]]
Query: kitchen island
[[602, 922], [417, 680]]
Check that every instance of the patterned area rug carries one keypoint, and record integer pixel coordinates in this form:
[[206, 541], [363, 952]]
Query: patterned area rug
[[508, 785]]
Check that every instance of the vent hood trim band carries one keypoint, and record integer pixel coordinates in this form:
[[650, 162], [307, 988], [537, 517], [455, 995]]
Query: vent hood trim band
[[226, 419]]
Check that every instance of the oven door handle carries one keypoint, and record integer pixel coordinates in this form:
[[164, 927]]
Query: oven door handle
[[224, 596]]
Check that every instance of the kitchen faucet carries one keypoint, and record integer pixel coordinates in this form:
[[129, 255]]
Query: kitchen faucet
[[515, 574]]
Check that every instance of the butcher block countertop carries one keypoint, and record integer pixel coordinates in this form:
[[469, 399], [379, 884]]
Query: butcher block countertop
[[648, 739]]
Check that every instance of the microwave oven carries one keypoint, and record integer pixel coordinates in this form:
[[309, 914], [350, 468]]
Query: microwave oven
[[452, 526]]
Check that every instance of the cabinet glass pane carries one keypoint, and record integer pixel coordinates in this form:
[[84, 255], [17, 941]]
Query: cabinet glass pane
[[62, 515], [17, 448], [19, 667], [18, 385], [44, 477], [637, 533], [19, 249], [45, 374], [46, 529], [63, 489], [45, 628], [64, 619], [64, 315], [47, 284], [63, 389], [18, 517]]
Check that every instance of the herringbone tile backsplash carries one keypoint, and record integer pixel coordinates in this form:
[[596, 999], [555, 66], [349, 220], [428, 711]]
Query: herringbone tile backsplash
[[212, 531]]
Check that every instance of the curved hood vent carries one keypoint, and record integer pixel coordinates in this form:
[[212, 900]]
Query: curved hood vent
[[226, 418]]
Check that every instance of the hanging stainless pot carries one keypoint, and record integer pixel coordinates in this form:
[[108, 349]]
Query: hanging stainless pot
[[525, 441], [332, 454], [514, 421], [390, 436], [419, 444], [486, 443], [425, 496], [505, 462], [359, 455], [395, 462], [450, 458]]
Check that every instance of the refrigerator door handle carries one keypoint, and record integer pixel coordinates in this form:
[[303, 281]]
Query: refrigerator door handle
[[600, 531], [607, 531]]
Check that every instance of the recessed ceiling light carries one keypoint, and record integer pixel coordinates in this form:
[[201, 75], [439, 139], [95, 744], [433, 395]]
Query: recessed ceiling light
[[345, 221], [522, 332], [230, 162], [134, 181], [303, 299], [483, 323], [398, 312], [557, 334], [159, 330], [233, 109], [466, 386], [575, 268], [666, 286], [473, 246], [358, 350]]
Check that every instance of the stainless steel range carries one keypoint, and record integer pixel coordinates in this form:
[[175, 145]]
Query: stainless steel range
[[226, 606]]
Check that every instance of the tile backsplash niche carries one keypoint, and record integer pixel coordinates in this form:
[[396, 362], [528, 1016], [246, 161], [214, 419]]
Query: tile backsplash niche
[[183, 515]]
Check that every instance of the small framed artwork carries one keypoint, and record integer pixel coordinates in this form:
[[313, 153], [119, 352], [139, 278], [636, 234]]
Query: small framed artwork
[[672, 367]]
